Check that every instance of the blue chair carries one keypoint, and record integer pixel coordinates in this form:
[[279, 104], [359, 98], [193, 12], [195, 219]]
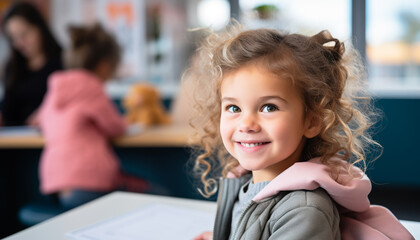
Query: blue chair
[[38, 211]]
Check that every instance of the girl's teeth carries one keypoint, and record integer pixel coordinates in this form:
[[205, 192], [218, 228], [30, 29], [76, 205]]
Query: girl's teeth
[[251, 144]]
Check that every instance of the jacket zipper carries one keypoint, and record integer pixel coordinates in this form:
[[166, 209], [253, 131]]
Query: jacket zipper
[[221, 188]]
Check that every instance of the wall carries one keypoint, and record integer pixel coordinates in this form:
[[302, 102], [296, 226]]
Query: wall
[[399, 131]]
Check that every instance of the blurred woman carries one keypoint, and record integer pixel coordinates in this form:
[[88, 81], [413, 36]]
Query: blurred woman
[[34, 55]]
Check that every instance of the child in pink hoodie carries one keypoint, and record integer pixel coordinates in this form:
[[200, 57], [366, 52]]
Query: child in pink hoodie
[[285, 117], [77, 120]]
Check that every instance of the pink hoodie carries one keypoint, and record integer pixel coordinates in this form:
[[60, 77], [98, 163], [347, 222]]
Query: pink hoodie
[[359, 219], [77, 119]]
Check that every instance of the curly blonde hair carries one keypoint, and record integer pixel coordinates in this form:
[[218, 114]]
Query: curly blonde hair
[[330, 78]]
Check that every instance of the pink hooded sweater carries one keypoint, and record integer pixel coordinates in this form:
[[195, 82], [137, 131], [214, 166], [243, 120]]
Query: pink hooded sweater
[[358, 219], [77, 119]]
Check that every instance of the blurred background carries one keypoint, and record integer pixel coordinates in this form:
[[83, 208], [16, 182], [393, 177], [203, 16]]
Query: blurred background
[[157, 46]]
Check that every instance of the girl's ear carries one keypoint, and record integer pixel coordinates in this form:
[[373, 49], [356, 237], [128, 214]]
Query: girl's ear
[[313, 125]]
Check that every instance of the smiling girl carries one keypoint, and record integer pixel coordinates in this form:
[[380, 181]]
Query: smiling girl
[[285, 119]]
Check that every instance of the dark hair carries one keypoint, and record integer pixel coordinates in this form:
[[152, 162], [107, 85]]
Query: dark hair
[[89, 46], [17, 64]]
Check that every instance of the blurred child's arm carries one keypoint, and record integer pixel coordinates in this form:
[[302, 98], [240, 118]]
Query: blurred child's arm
[[205, 236], [106, 116], [33, 119]]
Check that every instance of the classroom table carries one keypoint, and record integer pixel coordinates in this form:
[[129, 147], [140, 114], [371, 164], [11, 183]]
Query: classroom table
[[109, 206], [160, 136], [158, 154], [171, 139], [114, 205]]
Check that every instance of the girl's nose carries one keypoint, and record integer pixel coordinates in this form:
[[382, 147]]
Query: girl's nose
[[249, 123]]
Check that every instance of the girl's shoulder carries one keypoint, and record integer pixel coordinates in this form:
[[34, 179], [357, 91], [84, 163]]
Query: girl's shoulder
[[316, 201], [304, 214]]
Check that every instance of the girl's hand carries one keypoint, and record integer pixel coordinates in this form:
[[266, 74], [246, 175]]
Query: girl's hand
[[33, 119], [205, 236]]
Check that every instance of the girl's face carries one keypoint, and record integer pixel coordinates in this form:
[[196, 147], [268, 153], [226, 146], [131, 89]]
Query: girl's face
[[25, 38], [262, 122]]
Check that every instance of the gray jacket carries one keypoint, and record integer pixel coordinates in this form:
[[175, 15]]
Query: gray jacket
[[292, 215]]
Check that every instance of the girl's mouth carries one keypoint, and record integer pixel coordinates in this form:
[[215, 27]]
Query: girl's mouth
[[250, 145]]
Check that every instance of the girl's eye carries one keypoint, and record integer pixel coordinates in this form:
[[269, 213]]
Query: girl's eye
[[233, 109], [269, 108]]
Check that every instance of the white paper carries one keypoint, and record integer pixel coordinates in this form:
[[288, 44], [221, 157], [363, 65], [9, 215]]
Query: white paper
[[151, 222]]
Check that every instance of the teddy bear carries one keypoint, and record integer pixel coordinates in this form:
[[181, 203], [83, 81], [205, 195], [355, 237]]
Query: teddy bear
[[143, 106]]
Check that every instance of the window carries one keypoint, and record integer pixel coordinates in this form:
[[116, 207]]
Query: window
[[301, 16], [213, 13], [393, 46]]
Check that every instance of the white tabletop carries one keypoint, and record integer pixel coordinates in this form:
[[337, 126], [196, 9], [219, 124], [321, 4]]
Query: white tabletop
[[109, 206], [413, 228], [116, 204]]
